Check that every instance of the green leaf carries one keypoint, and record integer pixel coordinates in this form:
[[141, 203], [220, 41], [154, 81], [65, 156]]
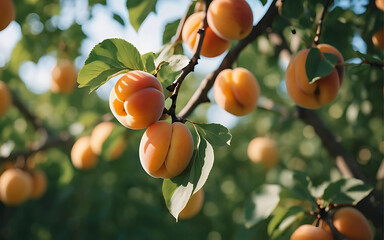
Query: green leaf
[[178, 190], [369, 58], [216, 134], [118, 19], [170, 31], [281, 214], [149, 62], [318, 65], [346, 190], [138, 11], [108, 59], [262, 204]]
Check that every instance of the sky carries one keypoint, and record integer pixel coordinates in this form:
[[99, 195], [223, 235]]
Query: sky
[[37, 77]]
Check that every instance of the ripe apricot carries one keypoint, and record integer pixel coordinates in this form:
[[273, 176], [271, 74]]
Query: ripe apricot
[[137, 100], [39, 181], [230, 19], [380, 4], [378, 38], [236, 91], [351, 223], [263, 150], [193, 206], [213, 46], [15, 186], [64, 77], [321, 92], [82, 155], [7, 13], [5, 98], [166, 149], [100, 134], [309, 232]]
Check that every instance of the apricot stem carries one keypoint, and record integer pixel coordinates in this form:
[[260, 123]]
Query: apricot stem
[[328, 218], [316, 41]]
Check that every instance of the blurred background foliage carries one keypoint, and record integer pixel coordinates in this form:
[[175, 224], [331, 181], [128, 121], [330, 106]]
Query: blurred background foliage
[[118, 200]]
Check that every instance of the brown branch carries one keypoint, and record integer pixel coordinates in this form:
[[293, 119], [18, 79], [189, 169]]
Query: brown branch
[[201, 94], [320, 23], [175, 86]]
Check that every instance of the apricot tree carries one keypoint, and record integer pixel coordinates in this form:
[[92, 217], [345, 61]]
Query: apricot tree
[[301, 82]]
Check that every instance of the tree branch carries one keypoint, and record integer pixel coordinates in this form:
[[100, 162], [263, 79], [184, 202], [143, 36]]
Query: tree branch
[[201, 94], [320, 24]]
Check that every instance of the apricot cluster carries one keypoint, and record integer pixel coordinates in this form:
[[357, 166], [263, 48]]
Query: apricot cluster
[[236, 91], [5, 98], [17, 186], [137, 101], [348, 221], [322, 91], [64, 77], [86, 150], [227, 20]]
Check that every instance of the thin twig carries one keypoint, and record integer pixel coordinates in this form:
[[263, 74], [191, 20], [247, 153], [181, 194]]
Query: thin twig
[[175, 86], [316, 40], [201, 94]]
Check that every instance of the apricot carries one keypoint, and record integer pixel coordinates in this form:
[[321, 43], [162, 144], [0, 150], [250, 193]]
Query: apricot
[[322, 91], [263, 150], [380, 4], [100, 134], [15, 186], [137, 100], [5, 98], [351, 223], [230, 19], [309, 232], [236, 91], [64, 77], [166, 149], [378, 38], [82, 155], [7, 13], [39, 181], [213, 46], [193, 206]]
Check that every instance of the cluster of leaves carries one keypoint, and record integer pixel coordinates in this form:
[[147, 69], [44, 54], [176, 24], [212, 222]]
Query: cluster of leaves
[[283, 207]]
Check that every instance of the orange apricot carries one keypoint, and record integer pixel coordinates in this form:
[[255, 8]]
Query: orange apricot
[[39, 181], [166, 149], [15, 186], [380, 4], [5, 98], [263, 150], [351, 223], [378, 38], [82, 155], [64, 77], [193, 206], [230, 19], [213, 46], [100, 134], [7, 13], [309, 232], [322, 91], [236, 91], [137, 100]]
